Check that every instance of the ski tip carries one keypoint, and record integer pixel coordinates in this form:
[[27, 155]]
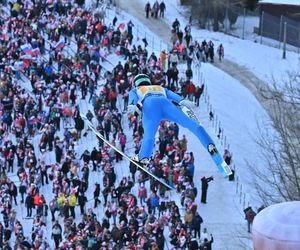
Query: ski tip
[[226, 168], [226, 174]]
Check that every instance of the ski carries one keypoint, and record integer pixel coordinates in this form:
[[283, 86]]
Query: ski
[[215, 155], [90, 125]]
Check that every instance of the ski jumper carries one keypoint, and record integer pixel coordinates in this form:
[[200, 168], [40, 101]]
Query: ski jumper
[[157, 106]]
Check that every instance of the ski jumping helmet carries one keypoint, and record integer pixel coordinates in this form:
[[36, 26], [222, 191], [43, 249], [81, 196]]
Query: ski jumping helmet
[[141, 79]]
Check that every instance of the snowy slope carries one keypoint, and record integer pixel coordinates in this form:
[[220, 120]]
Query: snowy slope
[[237, 110]]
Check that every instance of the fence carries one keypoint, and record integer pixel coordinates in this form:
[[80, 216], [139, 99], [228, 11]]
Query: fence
[[252, 25], [158, 45], [220, 132], [274, 27]]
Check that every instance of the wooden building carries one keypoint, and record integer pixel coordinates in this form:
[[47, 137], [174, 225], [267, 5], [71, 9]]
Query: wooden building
[[274, 13]]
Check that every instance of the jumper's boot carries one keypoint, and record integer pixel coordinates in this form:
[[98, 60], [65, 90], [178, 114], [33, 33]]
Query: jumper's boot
[[219, 161], [143, 162], [143, 166], [212, 149]]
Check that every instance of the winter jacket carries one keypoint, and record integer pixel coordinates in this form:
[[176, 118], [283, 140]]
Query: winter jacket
[[61, 200], [79, 124], [72, 200], [38, 200], [142, 192], [196, 222], [154, 201], [56, 230], [115, 234], [188, 217], [53, 205], [29, 201]]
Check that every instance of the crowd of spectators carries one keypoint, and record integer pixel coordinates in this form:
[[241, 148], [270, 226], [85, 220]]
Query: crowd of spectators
[[59, 47]]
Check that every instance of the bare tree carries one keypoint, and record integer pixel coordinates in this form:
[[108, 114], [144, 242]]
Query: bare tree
[[208, 12], [279, 179]]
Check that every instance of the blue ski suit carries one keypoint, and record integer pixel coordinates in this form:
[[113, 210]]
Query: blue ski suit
[[156, 106]]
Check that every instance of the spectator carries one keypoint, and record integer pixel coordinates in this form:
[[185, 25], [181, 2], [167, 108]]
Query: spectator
[[207, 244], [96, 194], [29, 205], [249, 217], [162, 9], [56, 234], [204, 187], [142, 194], [198, 93], [147, 9], [227, 156], [155, 9], [204, 235], [211, 51], [196, 225], [220, 52], [176, 25]]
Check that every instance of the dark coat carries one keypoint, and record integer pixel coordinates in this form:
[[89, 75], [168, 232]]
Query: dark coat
[[196, 222], [13, 190], [29, 201], [79, 124], [204, 182], [81, 199], [194, 245], [97, 191], [207, 244]]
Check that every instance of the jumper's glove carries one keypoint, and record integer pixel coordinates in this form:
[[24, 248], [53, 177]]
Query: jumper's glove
[[133, 108], [187, 104]]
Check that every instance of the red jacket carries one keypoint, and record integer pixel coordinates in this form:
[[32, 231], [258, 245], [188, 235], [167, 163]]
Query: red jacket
[[190, 88], [38, 200], [142, 192]]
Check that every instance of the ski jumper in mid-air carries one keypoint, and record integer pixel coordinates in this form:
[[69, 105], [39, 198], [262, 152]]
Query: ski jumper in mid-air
[[155, 102]]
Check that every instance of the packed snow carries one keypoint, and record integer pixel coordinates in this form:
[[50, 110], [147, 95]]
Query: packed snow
[[236, 110]]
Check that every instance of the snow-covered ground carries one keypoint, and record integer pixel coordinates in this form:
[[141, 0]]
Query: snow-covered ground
[[264, 61], [237, 110]]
